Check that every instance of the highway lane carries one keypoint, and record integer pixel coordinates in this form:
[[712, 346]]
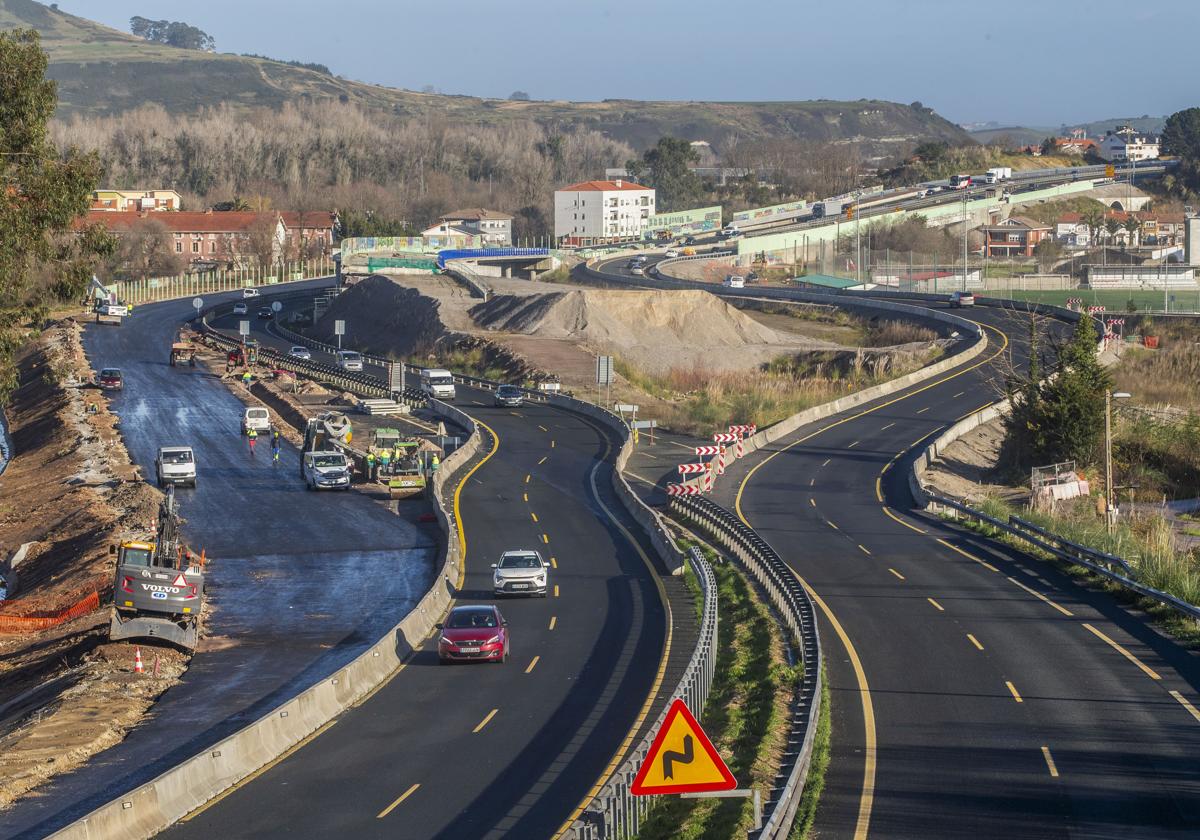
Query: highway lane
[[298, 583], [971, 697], [489, 750]]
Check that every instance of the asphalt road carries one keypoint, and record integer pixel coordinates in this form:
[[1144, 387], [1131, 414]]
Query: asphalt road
[[485, 750], [298, 583], [976, 692]]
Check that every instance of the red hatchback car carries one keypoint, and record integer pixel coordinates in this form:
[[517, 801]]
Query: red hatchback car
[[110, 379], [474, 632]]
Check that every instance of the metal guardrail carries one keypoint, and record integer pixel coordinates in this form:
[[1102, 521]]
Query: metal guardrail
[[615, 813], [1096, 561], [795, 608]]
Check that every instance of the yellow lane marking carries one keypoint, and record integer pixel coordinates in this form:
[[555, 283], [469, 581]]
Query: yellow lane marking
[[532, 662], [301, 744], [902, 522], [551, 444], [865, 550], [812, 501], [527, 477], [554, 618], [831, 525], [897, 574], [544, 459], [811, 482], [545, 539], [1146, 669], [1013, 689], [534, 515], [936, 605], [970, 556], [543, 428], [1043, 598], [553, 563], [526, 496], [555, 595], [959, 394], [1050, 765], [879, 488], [827, 460], [923, 410], [399, 799], [462, 536], [852, 445], [486, 720], [1183, 702], [888, 426], [974, 641]]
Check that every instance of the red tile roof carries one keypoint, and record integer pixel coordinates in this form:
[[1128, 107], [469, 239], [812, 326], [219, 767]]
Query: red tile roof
[[322, 219], [603, 186], [179, 222]]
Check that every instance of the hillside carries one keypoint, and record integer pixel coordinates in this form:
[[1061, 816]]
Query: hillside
[[1026, 135], [103, 71]]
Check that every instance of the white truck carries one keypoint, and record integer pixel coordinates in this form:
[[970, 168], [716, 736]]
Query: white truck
[[997, 174], [113, 310], [175, 465], [438, 383], [827, 209]]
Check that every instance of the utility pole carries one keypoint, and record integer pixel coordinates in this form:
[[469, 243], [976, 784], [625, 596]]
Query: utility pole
[[966, 227]]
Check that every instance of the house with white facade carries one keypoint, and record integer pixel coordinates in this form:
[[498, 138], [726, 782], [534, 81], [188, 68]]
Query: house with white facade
[[597, 212], [1124, 144]]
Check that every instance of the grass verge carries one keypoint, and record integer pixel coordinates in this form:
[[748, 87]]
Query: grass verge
[[806, 811], [746, 715]]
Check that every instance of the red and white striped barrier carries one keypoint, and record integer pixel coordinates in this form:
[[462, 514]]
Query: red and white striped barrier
[[682, 490], [746, 430], [692, 469], [726, 437], [720, 462], [709, 450]]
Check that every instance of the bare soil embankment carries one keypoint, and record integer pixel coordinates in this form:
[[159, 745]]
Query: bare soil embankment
[[67, 693]]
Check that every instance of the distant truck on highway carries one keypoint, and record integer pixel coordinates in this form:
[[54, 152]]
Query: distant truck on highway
[[960, 182], [827, 209], [997, 174], [111, 311]]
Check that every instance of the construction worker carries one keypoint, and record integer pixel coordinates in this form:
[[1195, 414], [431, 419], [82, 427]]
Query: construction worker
[[371, 465], [276, 442], [246, 377], [433, 466], [385, 461], [252, 437]]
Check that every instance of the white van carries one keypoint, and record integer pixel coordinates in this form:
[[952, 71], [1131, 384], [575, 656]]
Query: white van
[[258, 419], [175, 465], [326, 469], [349, 360], [735, 281], [438, 383]]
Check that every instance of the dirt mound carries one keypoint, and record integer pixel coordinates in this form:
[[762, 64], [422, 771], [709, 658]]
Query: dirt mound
[[383, 317], [656, 329]]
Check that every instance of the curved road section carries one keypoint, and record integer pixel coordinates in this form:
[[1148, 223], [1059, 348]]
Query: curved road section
[[298, 583], [484, 750]]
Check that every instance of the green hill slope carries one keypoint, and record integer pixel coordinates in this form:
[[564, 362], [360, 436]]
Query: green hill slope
[[103, 71]]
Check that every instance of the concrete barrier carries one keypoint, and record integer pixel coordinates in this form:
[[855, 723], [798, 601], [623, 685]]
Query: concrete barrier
[[152, 807]]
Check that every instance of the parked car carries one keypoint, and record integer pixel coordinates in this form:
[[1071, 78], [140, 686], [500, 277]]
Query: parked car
[[265, 314], [509, 396], [256, 418], [239, 309], [110, 379], [960, 299], [474, 632], [175, 465], [349, 360], [521, 572], [300, 352], [249, 292], [326, 470]]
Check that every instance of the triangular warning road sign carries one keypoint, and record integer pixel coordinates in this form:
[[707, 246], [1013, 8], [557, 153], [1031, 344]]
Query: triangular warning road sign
[[681, 759], [180, 580]]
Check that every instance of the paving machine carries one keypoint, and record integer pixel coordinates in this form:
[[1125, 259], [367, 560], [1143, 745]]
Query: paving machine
[[183, 353], [159, 588], [401, 471]]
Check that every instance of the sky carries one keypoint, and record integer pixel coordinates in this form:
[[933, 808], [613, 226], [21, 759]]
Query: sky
[[1020, 62]]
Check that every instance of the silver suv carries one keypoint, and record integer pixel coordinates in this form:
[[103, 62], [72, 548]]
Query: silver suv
[[520, 572]]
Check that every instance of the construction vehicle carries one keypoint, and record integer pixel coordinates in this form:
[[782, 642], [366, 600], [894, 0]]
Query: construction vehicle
[[159, 587], [401, 471], [183, 353]]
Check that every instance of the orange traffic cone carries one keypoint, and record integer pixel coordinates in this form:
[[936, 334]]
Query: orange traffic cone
[[138, 668]]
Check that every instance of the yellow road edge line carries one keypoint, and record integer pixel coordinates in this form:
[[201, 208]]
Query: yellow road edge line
[[1013, 689], [1050, 765], [936, 605], [663, 659], [879, 488], [897, 574], [532, 663], [1146, 669], [399, 799], [312, 736], [971, 556], [1042, 597], [458, 521], [1183, 702], [902, 522], [486, 720], [974, 641]]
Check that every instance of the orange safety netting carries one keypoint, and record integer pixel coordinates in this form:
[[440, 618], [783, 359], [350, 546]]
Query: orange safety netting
[[43, 620]]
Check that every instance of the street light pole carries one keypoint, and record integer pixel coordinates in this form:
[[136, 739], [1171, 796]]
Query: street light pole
[[1109, 509]]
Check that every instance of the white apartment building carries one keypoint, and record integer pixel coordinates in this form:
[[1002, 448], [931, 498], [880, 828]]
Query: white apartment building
[[1125, 144], [593, 212]]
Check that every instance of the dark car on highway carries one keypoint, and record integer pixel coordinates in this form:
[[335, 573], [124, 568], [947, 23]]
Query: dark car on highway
[[473, 632], [265, 314], [110, 379], [509, 396]]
